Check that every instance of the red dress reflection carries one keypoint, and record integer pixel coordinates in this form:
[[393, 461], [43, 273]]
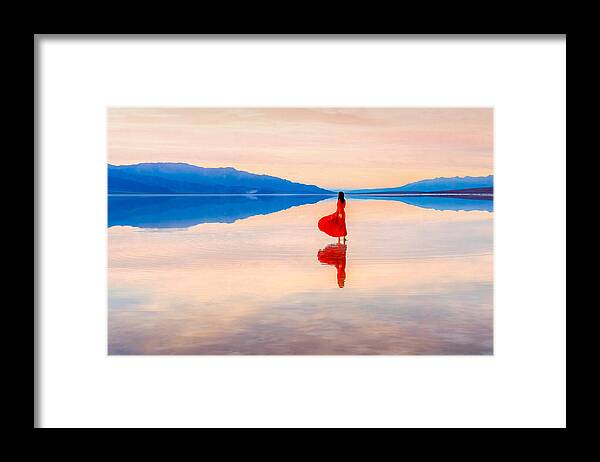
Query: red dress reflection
[[335, 224], [335, 255]]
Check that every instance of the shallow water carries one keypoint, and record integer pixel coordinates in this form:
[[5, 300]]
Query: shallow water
[[253, 275]]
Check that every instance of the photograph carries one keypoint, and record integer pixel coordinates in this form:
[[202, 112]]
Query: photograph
[[300, 230]]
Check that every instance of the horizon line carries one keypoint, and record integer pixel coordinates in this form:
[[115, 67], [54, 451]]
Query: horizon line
[[322, 187]]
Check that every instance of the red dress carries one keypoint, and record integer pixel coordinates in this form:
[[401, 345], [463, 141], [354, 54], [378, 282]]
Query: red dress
[[335, 224]]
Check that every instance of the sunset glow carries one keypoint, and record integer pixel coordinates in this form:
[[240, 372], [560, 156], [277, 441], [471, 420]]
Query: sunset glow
[[330, 147]]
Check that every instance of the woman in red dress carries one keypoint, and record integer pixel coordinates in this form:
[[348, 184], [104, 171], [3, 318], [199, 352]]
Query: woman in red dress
[[335, 224]]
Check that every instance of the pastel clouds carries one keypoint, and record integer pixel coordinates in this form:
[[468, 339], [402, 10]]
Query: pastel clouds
[[330, 147]]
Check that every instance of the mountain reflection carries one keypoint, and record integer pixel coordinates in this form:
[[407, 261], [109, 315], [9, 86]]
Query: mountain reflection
[[186, 211], [462, 203], [335, 255]]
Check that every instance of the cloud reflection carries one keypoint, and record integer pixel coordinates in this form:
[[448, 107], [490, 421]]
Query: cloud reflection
[[420, 283]]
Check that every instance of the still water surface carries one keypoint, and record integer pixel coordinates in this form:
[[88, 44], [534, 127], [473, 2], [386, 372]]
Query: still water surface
[[253, 275]]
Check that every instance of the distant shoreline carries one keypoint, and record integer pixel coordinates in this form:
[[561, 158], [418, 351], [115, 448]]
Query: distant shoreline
[[406, 194], [454, 195], [217, 195]]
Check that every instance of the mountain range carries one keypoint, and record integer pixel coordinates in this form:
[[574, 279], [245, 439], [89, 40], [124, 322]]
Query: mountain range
[[181, 178], [471, 184]]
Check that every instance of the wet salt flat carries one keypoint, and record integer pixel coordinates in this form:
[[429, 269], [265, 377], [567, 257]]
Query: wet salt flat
[[253, 275]]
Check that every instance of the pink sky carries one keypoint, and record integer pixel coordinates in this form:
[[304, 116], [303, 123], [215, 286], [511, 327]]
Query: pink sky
[[330, 147]]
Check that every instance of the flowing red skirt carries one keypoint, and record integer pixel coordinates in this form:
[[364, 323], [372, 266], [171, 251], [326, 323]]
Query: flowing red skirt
[[333, 225]]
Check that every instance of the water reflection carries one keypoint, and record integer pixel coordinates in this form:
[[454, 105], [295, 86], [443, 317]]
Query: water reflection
[[420, 282], [335, 255], [457, 204], [187, 211]]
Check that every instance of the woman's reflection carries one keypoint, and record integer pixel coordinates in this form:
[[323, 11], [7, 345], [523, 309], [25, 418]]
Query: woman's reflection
[[335, 255]]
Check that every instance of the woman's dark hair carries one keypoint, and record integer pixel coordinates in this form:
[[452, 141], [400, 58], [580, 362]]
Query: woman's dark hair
[[341, 197]]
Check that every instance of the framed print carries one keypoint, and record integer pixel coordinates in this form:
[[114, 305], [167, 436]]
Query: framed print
[[300, 232]]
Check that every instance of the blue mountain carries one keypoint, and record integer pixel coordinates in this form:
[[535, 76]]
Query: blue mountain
[[438, 185], [181, 178]]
